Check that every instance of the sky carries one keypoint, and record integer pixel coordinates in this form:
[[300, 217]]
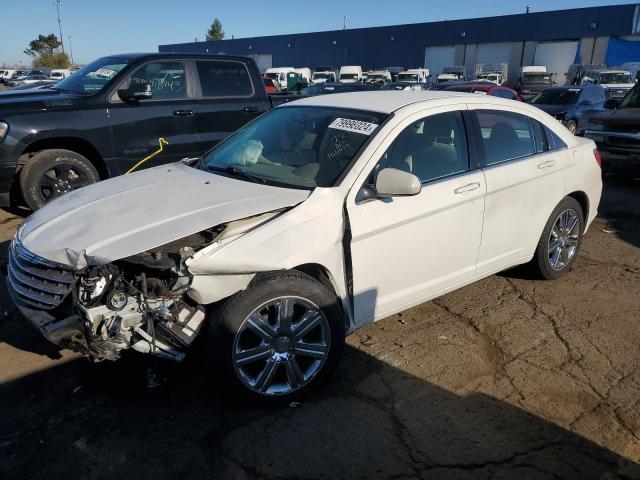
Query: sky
[[99, 27]]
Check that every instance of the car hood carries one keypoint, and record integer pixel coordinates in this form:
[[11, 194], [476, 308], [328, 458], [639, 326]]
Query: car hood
[[20, 101], [554, 109], [126, 215], [622, 117]]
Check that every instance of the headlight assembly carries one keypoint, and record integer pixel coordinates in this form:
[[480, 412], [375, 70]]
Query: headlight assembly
[[4, 129]]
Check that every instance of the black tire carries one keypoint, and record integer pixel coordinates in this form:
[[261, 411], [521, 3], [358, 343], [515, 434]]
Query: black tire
[[542, 263], [572, 126], [229, 320], [50, 173]]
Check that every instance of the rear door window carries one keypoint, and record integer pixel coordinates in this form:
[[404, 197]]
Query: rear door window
[[224, 79], [505, 136]]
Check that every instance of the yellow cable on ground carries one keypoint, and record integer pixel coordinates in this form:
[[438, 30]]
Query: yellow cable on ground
[[162, 143]]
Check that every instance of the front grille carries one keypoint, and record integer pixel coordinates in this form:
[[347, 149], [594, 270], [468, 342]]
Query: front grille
[[617, 93], [37, 281]]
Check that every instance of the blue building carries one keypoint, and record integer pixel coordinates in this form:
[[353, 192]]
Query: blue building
[[599, 35]]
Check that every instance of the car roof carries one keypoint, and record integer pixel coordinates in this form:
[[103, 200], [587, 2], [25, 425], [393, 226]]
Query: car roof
[[382, 101], [151, 55]]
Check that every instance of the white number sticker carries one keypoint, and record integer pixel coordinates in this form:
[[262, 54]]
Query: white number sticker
[[355, 126]]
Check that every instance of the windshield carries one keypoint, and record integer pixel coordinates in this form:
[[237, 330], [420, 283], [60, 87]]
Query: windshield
[[632, 100], [563, 96], [93, 77], [613, 78], [322, 75], [537, 78], [271, 75], [348, 76], [295, 147], [408, 77]]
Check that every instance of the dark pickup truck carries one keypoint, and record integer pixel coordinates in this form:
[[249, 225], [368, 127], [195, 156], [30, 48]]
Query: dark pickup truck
[[616, 131], [105, 118]]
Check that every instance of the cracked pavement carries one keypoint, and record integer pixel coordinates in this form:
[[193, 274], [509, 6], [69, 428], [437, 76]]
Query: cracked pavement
[[506, 378]]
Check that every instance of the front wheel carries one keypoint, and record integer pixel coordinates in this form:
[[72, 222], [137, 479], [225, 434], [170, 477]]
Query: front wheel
[[279, 339], [560, 240], [51, 173]]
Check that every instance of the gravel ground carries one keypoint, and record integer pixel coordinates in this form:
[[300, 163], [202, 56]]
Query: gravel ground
[[507, 378]]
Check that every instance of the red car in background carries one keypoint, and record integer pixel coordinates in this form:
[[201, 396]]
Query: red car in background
[[486, 89], [269, 86]]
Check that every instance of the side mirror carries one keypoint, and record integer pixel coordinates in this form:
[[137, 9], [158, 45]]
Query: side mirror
[[392, 182], [135, 93], [611, 104]]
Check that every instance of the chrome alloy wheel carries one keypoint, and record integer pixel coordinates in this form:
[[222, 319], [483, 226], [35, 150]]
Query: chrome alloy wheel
[[281, 346], [563, 239]]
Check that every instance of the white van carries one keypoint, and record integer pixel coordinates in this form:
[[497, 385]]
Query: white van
[[5, 75], [323, 76], [616, 82], [305, 73], [350, 74], [414, 75], [59, 73], [279, 75], [379, 77]]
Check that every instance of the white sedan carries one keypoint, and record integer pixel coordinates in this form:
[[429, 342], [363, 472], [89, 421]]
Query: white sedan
[[319, 217]]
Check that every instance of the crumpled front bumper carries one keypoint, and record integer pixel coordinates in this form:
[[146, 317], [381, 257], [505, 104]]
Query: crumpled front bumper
[[66, 332]]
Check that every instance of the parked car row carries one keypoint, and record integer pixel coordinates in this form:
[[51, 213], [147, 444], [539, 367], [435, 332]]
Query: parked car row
[[192, 102], [16, 78]]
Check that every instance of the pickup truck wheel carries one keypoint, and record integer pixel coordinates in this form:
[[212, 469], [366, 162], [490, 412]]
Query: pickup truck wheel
[[560, 240], [50, 173], [279, 339]]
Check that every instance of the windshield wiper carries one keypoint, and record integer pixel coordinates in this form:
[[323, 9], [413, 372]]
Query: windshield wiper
[[236, 172]]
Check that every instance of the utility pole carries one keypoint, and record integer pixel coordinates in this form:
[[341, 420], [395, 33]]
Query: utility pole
[[344, 23], [70, 49], [57, 4]]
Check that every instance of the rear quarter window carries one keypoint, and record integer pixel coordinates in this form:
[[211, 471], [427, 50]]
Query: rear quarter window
[[224, 79]]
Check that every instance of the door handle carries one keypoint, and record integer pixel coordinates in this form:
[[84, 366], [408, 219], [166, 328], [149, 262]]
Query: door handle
[[250, 109], [547, 164], [468, 188], [183, 113]]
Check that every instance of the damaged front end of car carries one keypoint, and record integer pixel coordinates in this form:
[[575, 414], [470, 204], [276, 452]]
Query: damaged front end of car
[[143, 302]]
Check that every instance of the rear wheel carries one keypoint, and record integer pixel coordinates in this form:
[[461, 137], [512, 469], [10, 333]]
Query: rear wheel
[[279, 339], [51, 173], [560, 241]]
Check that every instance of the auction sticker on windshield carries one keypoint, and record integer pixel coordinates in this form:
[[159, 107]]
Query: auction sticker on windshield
[[355, 126]]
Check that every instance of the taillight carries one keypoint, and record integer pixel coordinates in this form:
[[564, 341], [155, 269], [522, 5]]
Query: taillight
[[596, 154]]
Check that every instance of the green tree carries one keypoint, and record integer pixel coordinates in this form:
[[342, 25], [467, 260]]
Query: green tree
[[215, 32], [45, 51]]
